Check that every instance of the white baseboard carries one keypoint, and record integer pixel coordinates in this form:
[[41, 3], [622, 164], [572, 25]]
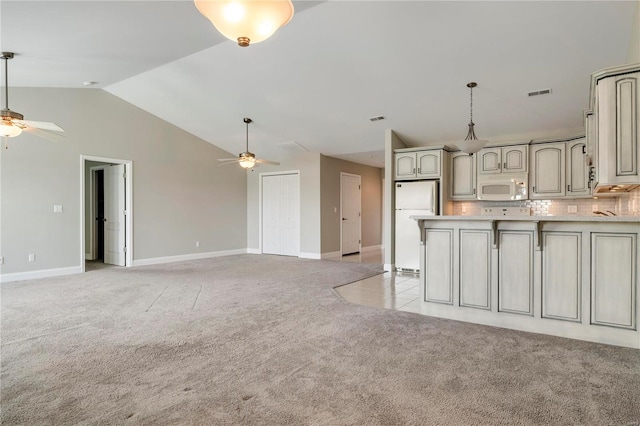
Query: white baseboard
[[304, 255], [254, 251], [331, 254], [88, 256], [370, 248], [183, 257], [389, 267], [43, 273]]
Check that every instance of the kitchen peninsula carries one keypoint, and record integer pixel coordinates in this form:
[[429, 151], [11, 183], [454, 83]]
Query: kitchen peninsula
[[574, 276]]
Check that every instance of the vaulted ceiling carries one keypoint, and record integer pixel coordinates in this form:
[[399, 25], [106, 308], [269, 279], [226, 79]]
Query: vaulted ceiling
[[319, 79]]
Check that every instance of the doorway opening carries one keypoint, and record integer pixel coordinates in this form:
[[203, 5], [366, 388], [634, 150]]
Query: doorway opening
[[350, 213], [106, 201]]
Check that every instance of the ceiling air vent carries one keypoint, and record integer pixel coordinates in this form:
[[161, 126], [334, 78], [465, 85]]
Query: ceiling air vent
[[540, 92], [378, 118]]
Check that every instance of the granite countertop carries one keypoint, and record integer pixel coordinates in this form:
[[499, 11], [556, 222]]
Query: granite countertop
[[625, 219]]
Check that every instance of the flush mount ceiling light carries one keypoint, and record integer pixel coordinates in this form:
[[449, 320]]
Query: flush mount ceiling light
[[247, 160], [12, 123], [471, 143], [246, 21]]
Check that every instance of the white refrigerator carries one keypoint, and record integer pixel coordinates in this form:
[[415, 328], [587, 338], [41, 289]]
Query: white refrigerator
[[412, 198]]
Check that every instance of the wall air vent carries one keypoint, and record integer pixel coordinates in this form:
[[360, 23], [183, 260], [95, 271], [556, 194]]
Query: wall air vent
[[378, 118], [540, 92]]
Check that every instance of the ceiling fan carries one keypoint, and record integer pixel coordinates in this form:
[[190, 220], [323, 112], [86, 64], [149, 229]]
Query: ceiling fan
[[12, 123], [247, 159]]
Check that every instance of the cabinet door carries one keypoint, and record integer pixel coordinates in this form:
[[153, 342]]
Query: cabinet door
[[618, 115], [490, 161], [561, 275], [405, 165], [577, 169], [475, 268], [547, 170], [613, 279], [514, 159], [438, 276], [463, 177], [429, 164], [515, 272]]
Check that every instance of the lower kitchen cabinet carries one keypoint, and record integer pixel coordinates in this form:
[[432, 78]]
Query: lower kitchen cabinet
[[515, 272], [439, 267], [569, 277], [613, 279], [561, 275], [475, 269]]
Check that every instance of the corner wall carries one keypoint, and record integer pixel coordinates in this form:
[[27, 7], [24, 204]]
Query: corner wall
[[633, 56], [330, 191], [180, 195]]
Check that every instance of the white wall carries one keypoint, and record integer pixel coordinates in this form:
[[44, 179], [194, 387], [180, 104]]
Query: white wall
[[180, 195]]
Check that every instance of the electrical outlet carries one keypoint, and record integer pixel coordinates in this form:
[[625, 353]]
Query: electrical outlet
[[594, 207], [32, 257], [57, 208], [197, 243], [1, 260], [572, 209]]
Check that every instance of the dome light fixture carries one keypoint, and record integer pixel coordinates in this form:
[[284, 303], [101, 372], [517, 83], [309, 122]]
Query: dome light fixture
[[246, 21], [471, 143]]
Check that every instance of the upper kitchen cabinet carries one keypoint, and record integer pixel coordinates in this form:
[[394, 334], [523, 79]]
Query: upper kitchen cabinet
[[508, 159], [577, 172], [418, 164], [616, 98], [463, 176], [547, 170]]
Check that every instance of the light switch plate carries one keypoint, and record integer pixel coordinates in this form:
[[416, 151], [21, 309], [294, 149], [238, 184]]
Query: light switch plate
[[57, 208], [572, 209]]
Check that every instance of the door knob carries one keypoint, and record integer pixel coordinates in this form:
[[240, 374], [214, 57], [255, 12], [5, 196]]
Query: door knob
[[344, 218]]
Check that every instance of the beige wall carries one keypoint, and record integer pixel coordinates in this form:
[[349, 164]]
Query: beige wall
[[633, 56], [371, 183], [180, 195]]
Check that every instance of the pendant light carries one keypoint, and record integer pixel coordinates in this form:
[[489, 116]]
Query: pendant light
[[471, 143], [246, 21]]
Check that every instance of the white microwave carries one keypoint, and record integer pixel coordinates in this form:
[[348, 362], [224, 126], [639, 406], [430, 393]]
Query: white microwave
[[503, 186]]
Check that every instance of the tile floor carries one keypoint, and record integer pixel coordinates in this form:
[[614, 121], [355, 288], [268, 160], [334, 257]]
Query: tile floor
[[391, 290]]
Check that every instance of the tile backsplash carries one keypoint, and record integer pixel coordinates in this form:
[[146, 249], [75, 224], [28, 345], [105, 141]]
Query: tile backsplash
[[622, 205]]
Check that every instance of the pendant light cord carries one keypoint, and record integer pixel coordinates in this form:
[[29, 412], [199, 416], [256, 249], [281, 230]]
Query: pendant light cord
[[471, 108], [247, 137]]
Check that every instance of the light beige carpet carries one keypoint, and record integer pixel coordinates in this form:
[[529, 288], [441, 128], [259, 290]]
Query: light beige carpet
[[263, 340]]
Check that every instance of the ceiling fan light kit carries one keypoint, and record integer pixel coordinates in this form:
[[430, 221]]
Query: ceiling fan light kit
[[12, 123], [247, 160], [471, 143], [246, 21]]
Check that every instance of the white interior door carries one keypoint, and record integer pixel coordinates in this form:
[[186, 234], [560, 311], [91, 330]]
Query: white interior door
[[281, 214], [114, 215], [350, 204]]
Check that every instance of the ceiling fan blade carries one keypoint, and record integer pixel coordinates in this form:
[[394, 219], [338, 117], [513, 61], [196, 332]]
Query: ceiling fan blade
[[273, 163], [51, 127], [45, 134], [230, 162], [229, 159]]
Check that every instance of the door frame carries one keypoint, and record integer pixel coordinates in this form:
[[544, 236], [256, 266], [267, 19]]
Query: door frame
[[93, 243], [290, 172], [342, 176], [128, 200]]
